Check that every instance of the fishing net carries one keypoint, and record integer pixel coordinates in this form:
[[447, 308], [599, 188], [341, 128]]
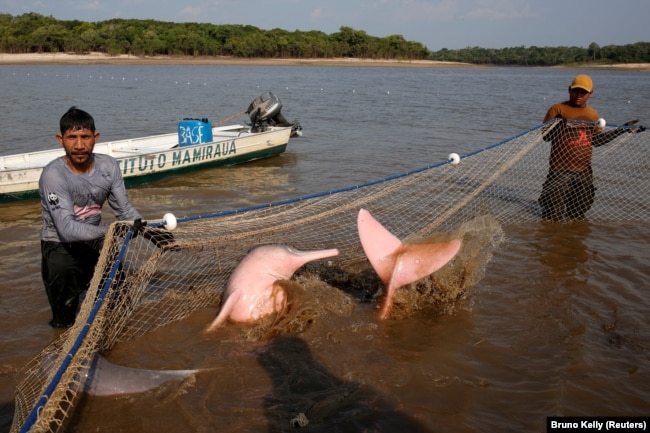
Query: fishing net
[[138, 286]]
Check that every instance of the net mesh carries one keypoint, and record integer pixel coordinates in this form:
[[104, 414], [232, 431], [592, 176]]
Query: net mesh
[[138, 287]]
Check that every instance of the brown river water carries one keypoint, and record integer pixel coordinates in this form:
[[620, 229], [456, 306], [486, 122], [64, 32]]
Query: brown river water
[[557, 326]]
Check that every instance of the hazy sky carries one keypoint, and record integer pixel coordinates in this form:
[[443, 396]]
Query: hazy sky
[[437, 24]]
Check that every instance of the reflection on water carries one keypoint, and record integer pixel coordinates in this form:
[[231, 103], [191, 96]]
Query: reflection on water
[[562, 247], [211, 190]]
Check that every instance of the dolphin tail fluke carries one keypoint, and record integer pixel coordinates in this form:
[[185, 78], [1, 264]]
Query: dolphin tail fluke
[[399, 264], [416, 261], [378, 243]]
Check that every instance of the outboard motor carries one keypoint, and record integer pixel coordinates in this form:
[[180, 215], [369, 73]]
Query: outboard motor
[[265, 111], [263, 108]]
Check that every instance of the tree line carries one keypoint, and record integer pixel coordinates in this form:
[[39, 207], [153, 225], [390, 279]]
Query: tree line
[[549, 56], [35, 33]]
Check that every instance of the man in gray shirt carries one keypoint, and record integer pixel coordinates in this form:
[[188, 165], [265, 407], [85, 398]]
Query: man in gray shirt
[[73, 189]]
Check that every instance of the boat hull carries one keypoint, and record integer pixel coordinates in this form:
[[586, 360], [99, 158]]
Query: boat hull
[[147, 159]]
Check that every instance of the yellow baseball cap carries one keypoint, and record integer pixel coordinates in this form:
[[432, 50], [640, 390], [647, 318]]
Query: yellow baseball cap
[[582, 82]]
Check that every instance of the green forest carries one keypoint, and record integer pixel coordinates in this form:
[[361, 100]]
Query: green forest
[[35, 33]]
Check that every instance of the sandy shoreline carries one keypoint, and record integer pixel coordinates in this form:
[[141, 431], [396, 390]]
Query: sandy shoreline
[[101, 58]]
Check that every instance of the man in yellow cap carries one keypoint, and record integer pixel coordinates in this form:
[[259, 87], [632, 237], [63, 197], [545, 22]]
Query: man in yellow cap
[[568, 191]]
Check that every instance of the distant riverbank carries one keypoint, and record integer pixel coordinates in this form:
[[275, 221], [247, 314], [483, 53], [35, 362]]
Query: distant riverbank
[[102, 58]]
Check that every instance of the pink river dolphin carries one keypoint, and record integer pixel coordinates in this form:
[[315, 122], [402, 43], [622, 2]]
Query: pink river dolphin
[[397, 263], [251, 292]]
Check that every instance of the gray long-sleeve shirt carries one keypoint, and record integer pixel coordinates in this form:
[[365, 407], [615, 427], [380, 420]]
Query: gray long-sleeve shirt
[[72, 203]]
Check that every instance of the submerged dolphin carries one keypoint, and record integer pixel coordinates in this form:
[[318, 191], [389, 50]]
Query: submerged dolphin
[[106, 379], [397, 263], [251, 292]]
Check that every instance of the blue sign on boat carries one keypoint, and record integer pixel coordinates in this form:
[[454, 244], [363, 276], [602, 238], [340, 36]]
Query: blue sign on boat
[[194, 131]]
